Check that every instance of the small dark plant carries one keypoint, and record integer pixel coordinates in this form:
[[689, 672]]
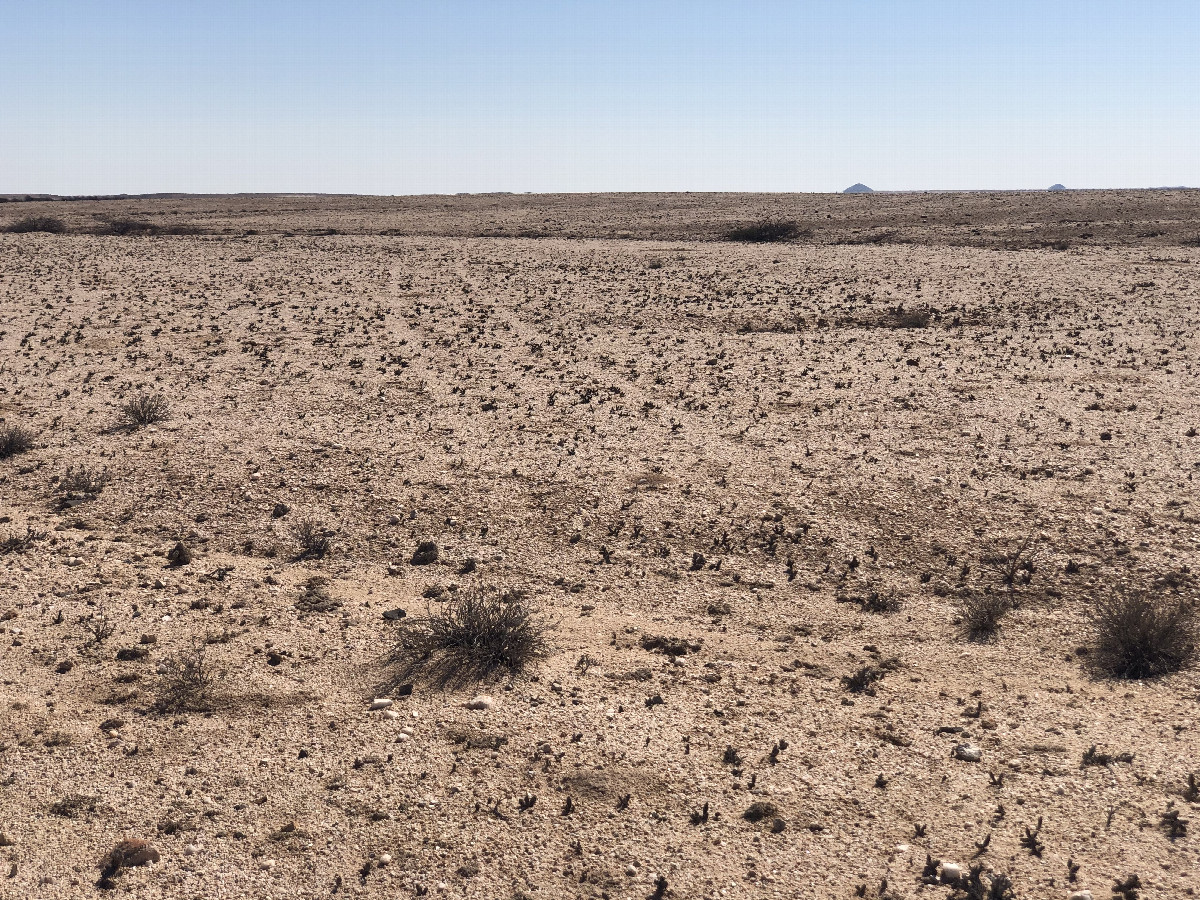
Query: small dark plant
[[973, 887], [146, 409], [862, 681], [1014, 565], [187, 682], [1141, 635], [19, 543], [982, 614], [83, 481], [479, 631], [14, 439], [97, 627], [313, 538]]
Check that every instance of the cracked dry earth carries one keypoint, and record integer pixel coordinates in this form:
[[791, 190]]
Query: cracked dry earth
[[704, 463]]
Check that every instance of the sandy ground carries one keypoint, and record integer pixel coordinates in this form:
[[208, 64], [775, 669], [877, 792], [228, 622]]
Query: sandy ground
[[581, 413]]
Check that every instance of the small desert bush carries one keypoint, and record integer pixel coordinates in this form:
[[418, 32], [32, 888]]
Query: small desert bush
[[1139, 634], [146, 409], [83, 480], [14, 439], [186, 683], [313, 539], [982, 613], [478, 632], [29, 224], [765, 232]]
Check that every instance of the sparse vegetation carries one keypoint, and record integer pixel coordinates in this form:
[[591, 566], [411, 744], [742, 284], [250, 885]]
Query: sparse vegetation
[[83, 480], [765, 232], [982, 612], [32, 224], [477, 632], [14, 439], [313, 539], [145, 409], [187, 682], [1139, 634]]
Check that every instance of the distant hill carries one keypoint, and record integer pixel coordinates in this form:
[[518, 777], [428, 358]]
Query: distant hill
[[859, 188], [1057, 187]]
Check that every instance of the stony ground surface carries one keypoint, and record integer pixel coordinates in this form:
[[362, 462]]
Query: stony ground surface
[[731, 447]]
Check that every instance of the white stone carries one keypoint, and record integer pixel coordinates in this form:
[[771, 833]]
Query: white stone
[[951, 873], [380, 703], [967, 753], [191, 850], [482, 702], [390, 714], [1080, 895], [385, 858]]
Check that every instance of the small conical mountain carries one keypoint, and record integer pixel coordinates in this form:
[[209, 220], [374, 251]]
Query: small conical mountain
[[859, 188], [1057, 187]]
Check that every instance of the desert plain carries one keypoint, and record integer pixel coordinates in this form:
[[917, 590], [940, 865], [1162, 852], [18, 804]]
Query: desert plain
[[745, 489]]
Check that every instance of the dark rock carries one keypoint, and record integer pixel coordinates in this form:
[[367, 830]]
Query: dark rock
[[759, 810], [179, 555], [426, 553]]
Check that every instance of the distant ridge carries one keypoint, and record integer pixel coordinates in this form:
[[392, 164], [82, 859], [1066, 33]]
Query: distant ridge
[[859, 188], [1057, 187]]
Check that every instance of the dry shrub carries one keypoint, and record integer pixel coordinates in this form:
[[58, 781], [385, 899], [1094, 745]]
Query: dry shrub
[[187, 682], [30, 224], [1142, 635], [313, 538], [14, 439], [84, 480], [765, 232], [146, 409], [478, 632], [982, 614]]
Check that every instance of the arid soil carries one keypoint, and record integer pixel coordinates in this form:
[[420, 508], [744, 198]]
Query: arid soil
[[727, 476]]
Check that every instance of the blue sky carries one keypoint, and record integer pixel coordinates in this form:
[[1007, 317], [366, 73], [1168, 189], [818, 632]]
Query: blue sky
[[438, 97]]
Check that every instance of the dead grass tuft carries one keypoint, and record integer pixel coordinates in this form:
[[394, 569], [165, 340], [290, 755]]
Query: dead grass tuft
[[1143, 635], [477, 633]]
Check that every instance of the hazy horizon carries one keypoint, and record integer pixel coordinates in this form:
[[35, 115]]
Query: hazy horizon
[[391, 99]]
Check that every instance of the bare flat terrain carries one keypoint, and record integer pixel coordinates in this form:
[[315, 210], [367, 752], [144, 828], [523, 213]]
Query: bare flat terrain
[[747, 488]]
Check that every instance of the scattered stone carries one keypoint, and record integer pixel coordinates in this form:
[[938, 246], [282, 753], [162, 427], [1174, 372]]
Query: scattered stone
[[179, 555], [395, 569], [482, 702], [669, 646], [951, 873], [1080, 895], [132, 654], [380, 703], [129, 853], [394, 615], [967, 753], [425, 554], [191, 850], [280, 510]]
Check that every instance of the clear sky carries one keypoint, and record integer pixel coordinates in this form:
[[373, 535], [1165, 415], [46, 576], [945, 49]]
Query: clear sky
[[442, 96]]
